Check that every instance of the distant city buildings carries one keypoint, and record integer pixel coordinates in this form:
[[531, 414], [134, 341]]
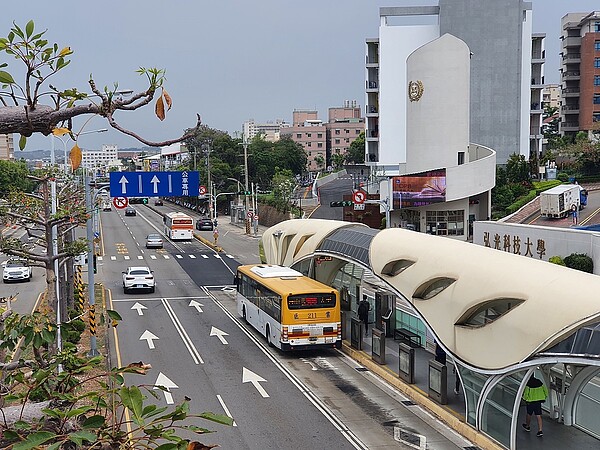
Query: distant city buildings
[[551, 96], [269, 130], [310, 132], [580, 73], [100, 160], [7, 150]]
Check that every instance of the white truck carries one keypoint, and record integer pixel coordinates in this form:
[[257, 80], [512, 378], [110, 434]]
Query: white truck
[[560, 201]]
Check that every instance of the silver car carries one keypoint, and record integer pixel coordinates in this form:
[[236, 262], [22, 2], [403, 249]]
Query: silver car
[[138, 278], [154, 241]]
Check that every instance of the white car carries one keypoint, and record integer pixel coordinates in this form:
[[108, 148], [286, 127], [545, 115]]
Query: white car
[[16, 270], [138, 278]]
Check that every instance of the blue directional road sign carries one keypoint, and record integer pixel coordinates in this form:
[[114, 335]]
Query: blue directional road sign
[[154, 184]]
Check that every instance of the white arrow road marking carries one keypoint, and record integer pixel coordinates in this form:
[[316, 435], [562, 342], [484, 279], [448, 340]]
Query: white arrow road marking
[[148, 336], [214, 331], [138, 306], [123, 182], [164, 381], [140, 190], [155, 182], [197, 305], [250, 377]]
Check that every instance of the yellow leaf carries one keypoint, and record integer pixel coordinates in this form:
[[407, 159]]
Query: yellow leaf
[[60, 131], [167, 98], [65, 51], [75, 157], [160, 108]]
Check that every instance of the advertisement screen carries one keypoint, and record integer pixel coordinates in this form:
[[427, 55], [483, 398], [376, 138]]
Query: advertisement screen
[[419, 189]]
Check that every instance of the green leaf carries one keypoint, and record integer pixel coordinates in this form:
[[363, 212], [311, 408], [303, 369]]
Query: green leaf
[[114, 315], [93, 422], [29, 28], [6, 77], [79, 436], [54, 446], [34, 440], [10, 435], [132, 399], [78, 411], [169, 446], [22, 142], [218, 418]]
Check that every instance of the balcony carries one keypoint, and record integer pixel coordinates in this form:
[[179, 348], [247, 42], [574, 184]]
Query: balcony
[[572, 58], [372, 61], [572, 41], [569, 126], [372, 111], [536, 107], [372, 86], [570, 92], [570, 109], [571, 75]]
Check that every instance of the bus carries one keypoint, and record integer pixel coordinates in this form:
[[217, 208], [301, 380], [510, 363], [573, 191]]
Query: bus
[[292, 311], [179, 226]]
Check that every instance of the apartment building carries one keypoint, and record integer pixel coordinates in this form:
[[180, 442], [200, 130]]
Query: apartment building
[[499, 37], [536, 119], [580, 73], [310, 132], [344, 125], [551, 96], [7, 150], [100, 160], [269, 130]]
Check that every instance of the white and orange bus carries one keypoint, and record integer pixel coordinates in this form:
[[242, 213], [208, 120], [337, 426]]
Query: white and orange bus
[[292, 311], [179, 226]]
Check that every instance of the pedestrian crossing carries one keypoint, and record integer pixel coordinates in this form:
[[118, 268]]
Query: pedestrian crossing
[[162, 256]]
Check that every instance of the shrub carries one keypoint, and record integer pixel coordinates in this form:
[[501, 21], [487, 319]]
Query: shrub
[[556, 260], [580, 261], [562, 177]]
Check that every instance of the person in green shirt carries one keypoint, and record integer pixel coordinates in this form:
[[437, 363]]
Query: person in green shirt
[[535, 394]]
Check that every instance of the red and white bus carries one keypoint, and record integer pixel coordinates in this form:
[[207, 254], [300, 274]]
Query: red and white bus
[[179, 226]]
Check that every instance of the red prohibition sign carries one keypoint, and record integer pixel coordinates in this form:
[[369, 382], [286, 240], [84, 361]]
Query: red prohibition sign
[[359, 197], [202, 190], [120, 202]]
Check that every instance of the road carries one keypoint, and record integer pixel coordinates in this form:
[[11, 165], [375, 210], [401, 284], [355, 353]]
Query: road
[[189, 332]]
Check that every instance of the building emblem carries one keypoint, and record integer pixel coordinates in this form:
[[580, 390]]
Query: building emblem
[[415, 90]]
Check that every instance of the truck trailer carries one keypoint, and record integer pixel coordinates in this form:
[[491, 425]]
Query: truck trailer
[[560, 201]]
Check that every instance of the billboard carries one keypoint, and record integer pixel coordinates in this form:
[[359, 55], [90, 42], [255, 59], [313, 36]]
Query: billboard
[[419, 189]]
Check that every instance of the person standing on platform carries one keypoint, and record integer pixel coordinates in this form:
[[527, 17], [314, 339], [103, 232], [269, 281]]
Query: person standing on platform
[[535, 394], [363, 314]]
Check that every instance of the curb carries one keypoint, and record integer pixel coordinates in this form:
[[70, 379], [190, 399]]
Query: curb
[[446, 415]]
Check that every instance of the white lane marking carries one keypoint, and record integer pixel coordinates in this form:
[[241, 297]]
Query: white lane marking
[[126, 257], [230, 256], [178, 256], [193, 256], [99, 258], [152, 256], [205, 256], [164, 381], [166, 256], [113, 258], [217, 256], [226, 409], [150, 338], [140, 257], [184, 336]]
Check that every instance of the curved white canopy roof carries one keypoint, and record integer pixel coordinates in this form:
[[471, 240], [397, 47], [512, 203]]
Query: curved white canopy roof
[[491, 309]]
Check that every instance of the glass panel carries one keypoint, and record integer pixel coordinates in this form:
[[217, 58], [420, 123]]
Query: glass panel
[[498, 408], [587, 412], [473, 384]]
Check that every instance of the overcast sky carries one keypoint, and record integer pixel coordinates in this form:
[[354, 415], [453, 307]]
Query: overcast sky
[[228, 60]]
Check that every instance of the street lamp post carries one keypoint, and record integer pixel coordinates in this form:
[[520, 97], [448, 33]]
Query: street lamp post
[[244, 143]]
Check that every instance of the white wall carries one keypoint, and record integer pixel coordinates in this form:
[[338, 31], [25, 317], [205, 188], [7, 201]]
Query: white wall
[[395, 44], [524, 127], [438, 123]]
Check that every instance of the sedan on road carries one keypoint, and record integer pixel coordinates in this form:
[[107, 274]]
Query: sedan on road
[[204, 224], [130, 212], [16, 270], [158, 202], [154, 241], [135, 278]]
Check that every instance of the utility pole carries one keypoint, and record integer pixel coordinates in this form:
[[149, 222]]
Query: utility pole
[[244, 144]]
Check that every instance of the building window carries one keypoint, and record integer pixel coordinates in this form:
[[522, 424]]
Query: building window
[[596, 117], [298, 135], [337, 141], [337, 131], [320, 135], [309, 144], [596, 99], [446, 223], [347, 131], [319, 145], [597, 27], [461, 158], [597, 46], [596, 80], [308, 135], [597, 63], [309, 153]]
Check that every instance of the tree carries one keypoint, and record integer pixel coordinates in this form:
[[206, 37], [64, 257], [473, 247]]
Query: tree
[[356, 154], [337, 160], [283, 185], [26, 114], [517, 169]]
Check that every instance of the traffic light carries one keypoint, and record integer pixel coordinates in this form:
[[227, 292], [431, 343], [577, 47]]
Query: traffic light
[[340, 204], [145, 200]]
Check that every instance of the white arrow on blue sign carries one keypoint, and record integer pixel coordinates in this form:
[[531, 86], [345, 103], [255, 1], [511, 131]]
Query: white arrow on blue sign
[[154, 184]]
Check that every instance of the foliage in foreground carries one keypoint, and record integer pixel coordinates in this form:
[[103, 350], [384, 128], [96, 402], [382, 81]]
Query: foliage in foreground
[[84, 405]]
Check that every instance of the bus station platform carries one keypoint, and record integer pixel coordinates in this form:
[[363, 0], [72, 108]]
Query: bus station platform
[[556, 435]]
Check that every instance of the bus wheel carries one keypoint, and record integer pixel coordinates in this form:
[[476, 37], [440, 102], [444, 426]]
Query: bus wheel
[[244, 314], [268, 336]]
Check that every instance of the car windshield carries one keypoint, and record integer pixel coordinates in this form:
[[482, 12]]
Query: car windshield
[[154, 236], [139, 272], [15, 264]]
